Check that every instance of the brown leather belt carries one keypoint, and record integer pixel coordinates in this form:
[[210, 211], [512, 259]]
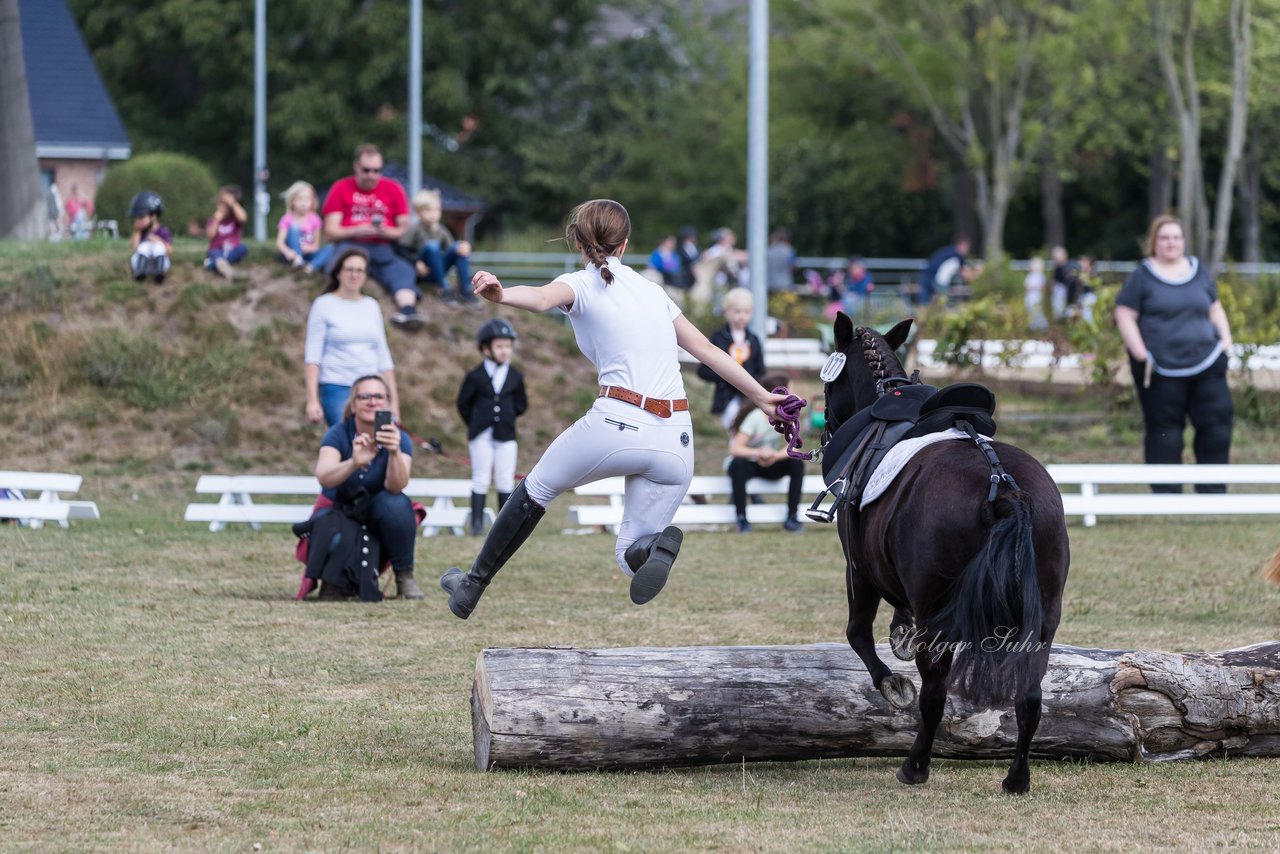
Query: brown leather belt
[[659, 407]]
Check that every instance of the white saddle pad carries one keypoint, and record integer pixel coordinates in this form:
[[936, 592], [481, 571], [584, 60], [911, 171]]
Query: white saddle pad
[[891, 466]]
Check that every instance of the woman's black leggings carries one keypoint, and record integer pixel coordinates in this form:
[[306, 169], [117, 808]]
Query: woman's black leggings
[[1167, 405]]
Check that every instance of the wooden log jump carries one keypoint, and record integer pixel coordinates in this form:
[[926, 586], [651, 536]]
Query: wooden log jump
[[650, 707]]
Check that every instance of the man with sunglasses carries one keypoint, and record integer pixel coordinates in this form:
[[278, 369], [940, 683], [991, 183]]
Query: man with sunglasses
[[372, 212]]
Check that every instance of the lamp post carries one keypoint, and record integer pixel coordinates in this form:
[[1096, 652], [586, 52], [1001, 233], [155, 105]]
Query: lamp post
[[415, 96], [758, 162], [261, 198]]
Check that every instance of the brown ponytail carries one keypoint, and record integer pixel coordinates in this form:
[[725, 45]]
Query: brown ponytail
[[598, 229]]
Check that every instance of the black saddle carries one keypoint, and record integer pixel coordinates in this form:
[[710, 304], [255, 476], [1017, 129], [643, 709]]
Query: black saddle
[[857, 447]]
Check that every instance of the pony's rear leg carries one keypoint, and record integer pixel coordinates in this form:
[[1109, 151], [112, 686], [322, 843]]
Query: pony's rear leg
[[933, 698], [1027, 707], [902, 634], [863, 604]]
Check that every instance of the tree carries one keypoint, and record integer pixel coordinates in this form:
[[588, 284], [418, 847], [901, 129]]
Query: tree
[[181, 74], [22, 206], [1179, 18], [971, 66]]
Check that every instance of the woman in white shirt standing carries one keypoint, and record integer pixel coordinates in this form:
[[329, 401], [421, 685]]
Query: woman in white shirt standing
[[639, 427], [346, 339]]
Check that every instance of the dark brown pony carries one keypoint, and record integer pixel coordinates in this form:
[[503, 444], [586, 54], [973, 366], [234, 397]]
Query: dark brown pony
[[981, 580]]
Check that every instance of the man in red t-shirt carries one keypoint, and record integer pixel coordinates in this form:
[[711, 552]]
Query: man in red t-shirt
[[371, 212]]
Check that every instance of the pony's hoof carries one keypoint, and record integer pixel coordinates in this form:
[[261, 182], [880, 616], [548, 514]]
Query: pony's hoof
[[900, 642], [1013, 786], [910, 775], [898, 690]]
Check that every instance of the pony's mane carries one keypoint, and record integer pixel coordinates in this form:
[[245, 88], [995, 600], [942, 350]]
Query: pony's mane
[[882, 361]]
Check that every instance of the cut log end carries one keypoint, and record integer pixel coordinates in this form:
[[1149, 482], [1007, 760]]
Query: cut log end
[[481, 714], [1271, 572]]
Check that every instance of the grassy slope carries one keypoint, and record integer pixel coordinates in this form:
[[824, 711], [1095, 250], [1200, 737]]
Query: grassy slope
[[139, 386], [152, 384]]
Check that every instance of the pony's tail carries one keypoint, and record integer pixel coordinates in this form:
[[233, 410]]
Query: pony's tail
[[994, 619], [1271, 572]]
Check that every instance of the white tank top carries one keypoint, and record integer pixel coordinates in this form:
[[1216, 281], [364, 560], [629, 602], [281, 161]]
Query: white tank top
[[626, 330]]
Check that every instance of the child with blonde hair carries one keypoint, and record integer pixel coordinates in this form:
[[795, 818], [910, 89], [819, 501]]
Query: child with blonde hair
[[740, 343], [299, 234], [430, 245]]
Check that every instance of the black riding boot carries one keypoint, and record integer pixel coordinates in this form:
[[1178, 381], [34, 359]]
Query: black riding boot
[[476, 522], [651, 557], [512, 527], [502, 500]]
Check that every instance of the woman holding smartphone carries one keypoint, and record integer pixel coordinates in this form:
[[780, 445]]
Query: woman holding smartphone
[[363, 467], [346, 339]]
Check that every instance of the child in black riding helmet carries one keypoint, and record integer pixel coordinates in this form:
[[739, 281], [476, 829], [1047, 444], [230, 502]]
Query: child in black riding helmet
[[492, 396]]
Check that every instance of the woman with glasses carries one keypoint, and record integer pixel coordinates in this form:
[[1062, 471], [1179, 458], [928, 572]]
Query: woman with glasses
[[1179, 343], [345, 339], [363, 473]]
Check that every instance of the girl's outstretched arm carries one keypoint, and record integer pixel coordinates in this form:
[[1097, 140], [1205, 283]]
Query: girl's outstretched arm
[[553, 295], [691, 338]]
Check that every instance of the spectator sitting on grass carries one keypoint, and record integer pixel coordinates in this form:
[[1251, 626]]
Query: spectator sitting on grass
[[372, 212], [152, 244], [434, 251], [224, 229], [298, 236]]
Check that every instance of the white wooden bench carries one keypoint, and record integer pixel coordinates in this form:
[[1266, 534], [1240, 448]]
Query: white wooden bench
[[1034, 354], [799, 353], [1091, 503], [715, 512], [1081, 495], [48, 506], [236, 502]]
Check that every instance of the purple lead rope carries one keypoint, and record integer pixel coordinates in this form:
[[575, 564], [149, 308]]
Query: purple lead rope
[[787, 422]]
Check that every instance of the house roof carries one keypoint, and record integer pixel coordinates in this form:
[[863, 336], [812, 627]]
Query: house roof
[[451, 198], [73, 114]]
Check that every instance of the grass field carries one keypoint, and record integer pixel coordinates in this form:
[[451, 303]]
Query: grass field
[[161, 690]]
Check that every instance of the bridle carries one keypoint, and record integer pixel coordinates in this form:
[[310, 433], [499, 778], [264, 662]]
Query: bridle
[[876, 360], [786, 418]]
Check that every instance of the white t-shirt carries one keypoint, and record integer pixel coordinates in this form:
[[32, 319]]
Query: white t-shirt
[[347, 339], [626, 330]]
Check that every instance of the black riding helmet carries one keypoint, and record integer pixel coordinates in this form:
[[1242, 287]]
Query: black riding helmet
[[145, 203], [496, 328]]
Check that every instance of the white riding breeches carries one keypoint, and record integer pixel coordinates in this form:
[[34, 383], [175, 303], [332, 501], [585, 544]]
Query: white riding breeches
[[492, 460], [612, 439]]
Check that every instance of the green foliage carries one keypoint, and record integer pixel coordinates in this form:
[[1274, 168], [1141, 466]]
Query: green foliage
[[534, 105], [963, 330], [185, 184], [795, 312], [1098, 341]]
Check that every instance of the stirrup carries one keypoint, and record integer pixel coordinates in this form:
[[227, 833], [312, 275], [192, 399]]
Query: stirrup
[[836, 491]]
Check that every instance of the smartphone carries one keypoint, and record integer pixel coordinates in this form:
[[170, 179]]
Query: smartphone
[[381, 418], [377, 220]]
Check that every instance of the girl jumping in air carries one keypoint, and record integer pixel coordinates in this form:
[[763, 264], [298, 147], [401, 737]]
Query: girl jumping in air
[[639, 426]]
